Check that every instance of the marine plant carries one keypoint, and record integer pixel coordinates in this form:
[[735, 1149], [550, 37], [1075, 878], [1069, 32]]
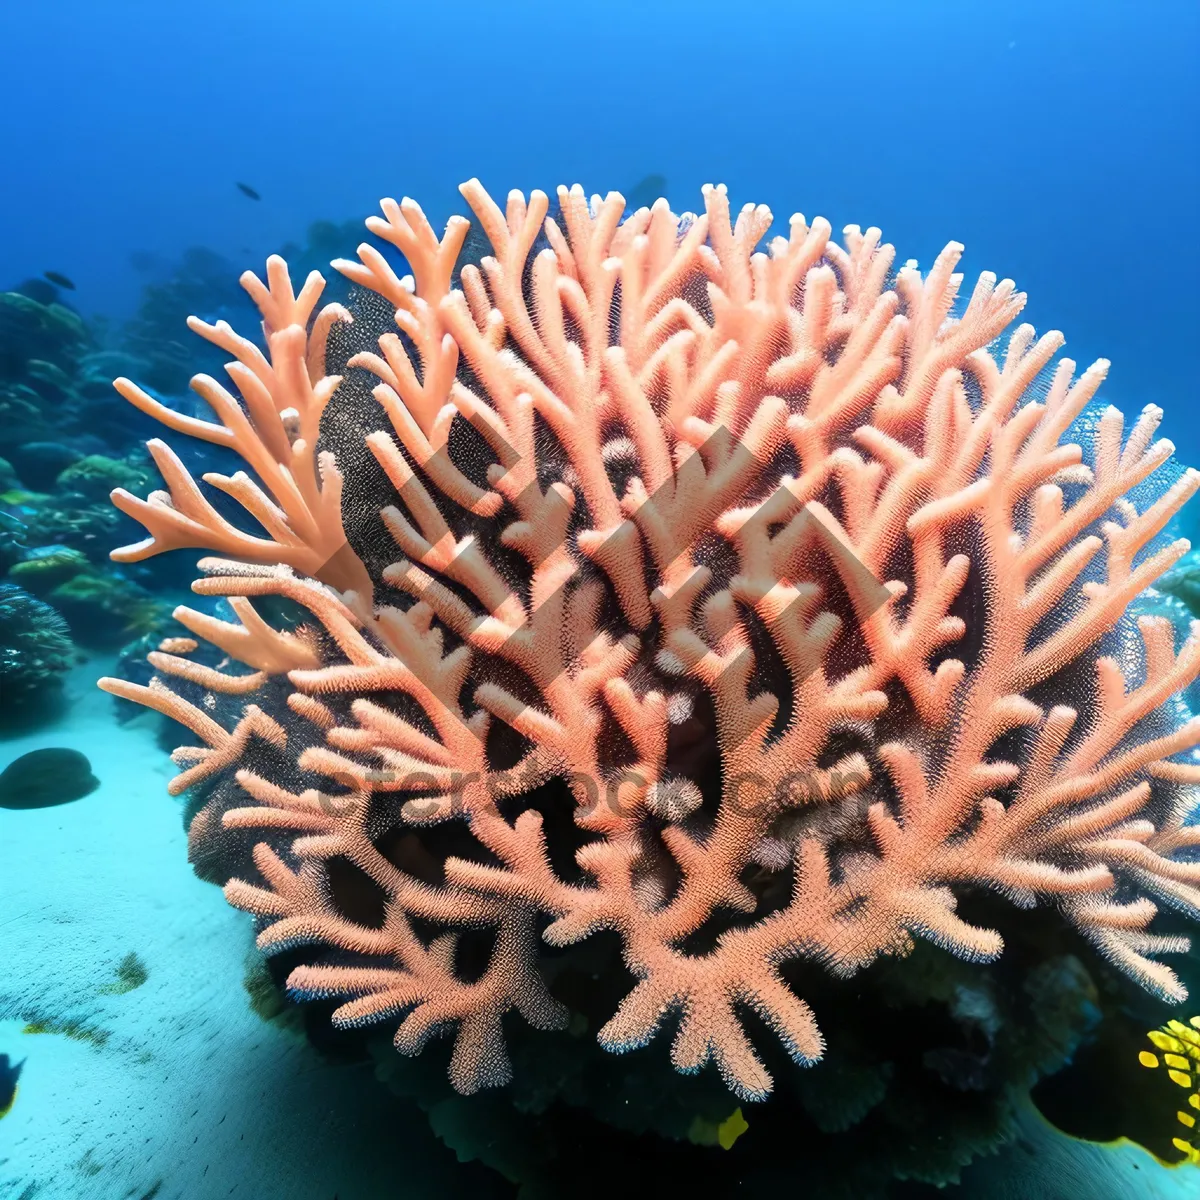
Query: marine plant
[[758, 607]]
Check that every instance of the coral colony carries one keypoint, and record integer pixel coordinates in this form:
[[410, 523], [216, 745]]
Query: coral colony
[[1180, 1046], [758, 606]]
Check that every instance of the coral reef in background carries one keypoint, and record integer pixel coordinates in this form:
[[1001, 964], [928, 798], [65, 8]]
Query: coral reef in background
[[35, 652], [1184, 584], [1181, 584], [67, 446], [55, 373]]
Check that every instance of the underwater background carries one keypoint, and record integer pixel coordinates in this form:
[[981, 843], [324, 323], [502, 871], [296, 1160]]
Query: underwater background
[[152, 152]]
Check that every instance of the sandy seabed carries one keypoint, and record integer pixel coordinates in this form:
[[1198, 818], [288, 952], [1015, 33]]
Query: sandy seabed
[[176, 1088]]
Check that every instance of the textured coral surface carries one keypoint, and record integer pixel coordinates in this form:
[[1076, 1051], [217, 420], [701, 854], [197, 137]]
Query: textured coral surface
[[754, 604]]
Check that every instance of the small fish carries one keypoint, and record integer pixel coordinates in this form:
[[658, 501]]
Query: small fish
[[59, 280], [9, 1074], [247, 190]]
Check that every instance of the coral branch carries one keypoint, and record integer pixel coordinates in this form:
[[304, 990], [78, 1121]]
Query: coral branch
[[274, 429]]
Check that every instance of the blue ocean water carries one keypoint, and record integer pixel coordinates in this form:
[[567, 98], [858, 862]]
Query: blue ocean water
[[1057, 141]]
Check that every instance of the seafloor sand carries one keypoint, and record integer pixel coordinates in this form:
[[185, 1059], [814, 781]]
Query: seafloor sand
[[191, 1093], [177, 1089]]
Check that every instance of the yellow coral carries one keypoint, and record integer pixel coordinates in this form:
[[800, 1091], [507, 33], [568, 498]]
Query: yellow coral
[[1181, 1056]]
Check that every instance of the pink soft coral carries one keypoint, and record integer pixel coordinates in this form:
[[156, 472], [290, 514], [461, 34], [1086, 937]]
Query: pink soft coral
[[767, 555]]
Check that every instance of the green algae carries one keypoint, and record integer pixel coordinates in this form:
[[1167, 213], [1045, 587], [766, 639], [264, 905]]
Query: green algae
[[131, 973]]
